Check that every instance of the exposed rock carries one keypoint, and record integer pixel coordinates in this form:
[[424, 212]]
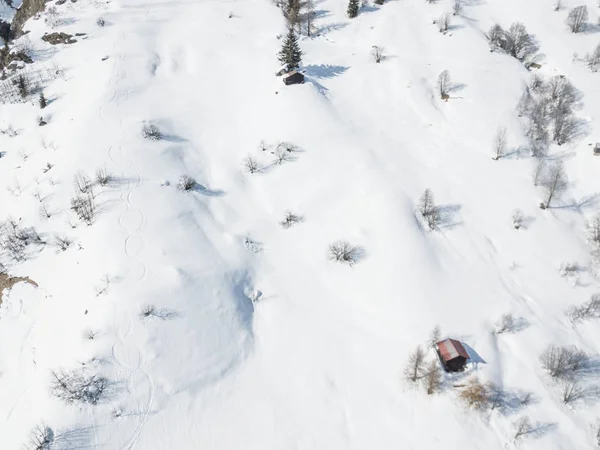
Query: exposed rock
[[59, 38], [7, 282], [28, 9]]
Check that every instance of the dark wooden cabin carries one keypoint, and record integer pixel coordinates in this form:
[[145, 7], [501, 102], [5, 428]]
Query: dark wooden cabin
[[453, 355], [293, 78], [597, 149]]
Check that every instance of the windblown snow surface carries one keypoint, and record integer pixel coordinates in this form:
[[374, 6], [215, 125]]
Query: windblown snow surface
[[264, 343]]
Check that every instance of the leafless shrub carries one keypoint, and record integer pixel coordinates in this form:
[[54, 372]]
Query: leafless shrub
[[443, 22], [508, 324], [151, 132], [45, 211], [587, 311], [24, 155], [444, 84], [563, 362], [500, 142], [103, 176], [75, 387], [475, 395], [52, 17], [105, 284], [83, 184], [415, 367], [186, 183], [47, 167], [84, 206], [90, 335], [577, 19], [344, 252], [558, 4], [433, 377], [517, 218], [538, 171], [457, 7], [429, 211], [377, 53], [290, 220], [40, 438], [525, 399], [593, 233], [101, 22], [251, 165], [495, 37], [569, 269], [282, 155], [148, 311], [15, 240]]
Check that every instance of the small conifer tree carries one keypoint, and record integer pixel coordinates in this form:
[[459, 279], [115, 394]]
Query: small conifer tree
[[290, 52], [43, 102], [353, 6]]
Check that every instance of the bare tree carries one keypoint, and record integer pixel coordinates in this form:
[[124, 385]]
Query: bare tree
[[554, 183], [429, 211], [77, 387], [593, 232], [593, 60], [586, 311], [83, 183], [282, 155], [443, 22], [525, 103], [571, 392], [495, 37], [151, 132], [577, 19], [523, 427], [518, 43], [433, 377], [517, 218], [536, 83], [90, 335], [343, 251], [309, 17], [444, 83], [566, 128], [186, 183], [377, 53], [563, 362], [415, 367], [457, 7], [435, 336], [40, 438], [500, 143]]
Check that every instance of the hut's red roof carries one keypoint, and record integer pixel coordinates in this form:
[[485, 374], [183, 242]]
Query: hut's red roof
[[451, 348]]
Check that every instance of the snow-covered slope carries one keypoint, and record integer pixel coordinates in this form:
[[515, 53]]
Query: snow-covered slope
[[264, 343]]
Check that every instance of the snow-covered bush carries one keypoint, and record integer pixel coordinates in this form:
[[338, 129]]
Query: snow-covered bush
[[101, 22], [84, 206], [429, 212], [443, 22], [103, 176], [377, 53], [15, 241], [517, 218], [516, 41], [290, 220], [444, 83], [152, 132], [40, 438], [186, 183], [251, 165], [586, 311]]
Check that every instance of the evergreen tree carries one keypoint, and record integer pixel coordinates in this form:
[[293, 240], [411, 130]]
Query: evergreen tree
[[290, 53], [353, 6], [43, 102]]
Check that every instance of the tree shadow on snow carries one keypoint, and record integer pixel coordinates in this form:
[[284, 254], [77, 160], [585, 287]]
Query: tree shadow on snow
[[324, 70], [77, 439], [448, 216], [329, 28], [208, 192], [587, 201]]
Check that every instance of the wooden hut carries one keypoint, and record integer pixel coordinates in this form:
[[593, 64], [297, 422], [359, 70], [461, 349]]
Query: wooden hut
[[597, 149], [453, 355], [293, 78]]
